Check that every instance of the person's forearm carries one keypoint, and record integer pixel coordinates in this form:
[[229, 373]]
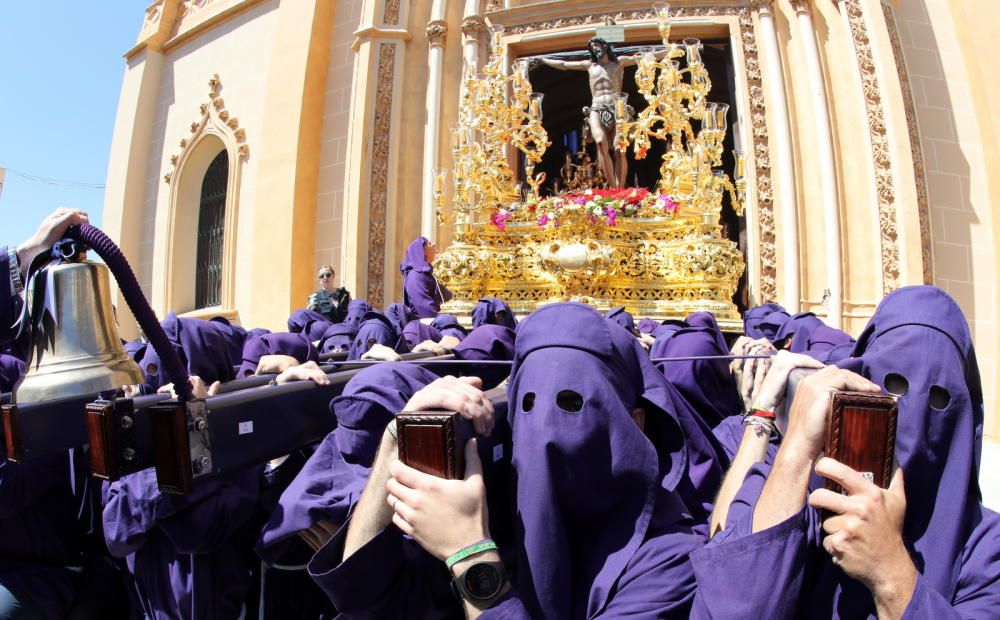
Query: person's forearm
[[372, 514], [786, 488], [753, 449]]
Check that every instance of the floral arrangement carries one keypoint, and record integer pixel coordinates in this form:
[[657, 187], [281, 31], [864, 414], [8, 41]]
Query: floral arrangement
[[600, 205]]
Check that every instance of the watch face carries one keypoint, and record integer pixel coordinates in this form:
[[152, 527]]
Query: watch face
[[483, 581]]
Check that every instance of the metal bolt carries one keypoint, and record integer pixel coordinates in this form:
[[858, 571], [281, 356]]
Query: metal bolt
[[126, 422], [201, 464], [200, 424], [128, 454]]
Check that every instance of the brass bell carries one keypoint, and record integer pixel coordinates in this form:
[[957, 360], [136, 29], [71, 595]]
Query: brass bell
[[80, 352]]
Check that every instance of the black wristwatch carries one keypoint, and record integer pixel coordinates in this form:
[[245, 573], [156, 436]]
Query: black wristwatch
[[481, 582]]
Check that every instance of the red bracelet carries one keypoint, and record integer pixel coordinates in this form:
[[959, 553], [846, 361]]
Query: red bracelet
[[762, 413]]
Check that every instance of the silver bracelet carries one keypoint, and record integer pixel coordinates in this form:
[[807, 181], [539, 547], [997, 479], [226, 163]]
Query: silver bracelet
[[15, 271], [761, 425]]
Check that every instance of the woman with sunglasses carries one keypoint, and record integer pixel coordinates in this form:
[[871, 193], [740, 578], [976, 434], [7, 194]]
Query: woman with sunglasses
[[329, 300]]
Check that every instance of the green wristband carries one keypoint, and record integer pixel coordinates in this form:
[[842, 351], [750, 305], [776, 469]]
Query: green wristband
[[473, 549]]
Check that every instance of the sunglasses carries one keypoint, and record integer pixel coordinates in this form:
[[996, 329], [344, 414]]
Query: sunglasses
[[324, 276]]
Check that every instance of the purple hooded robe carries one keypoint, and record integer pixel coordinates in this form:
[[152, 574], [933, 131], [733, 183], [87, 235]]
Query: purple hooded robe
[[623, 552], [416, 332], [308, 322], [422, 294], [356, 311], [376, 328], [493, 311], [919, 339], [796, 331], [203, 348], [448, 325], [753, 317], [707, 385], [647, 326], [337, 337], [622, 317], [398, 316], [293, 345], [332, 479], [184, 554]]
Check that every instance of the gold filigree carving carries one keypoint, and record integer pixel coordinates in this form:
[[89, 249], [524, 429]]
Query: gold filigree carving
[[380, 172], [214, 118], [884, 182], [917, 154], [390, 12], [437, 30], [757, 112]]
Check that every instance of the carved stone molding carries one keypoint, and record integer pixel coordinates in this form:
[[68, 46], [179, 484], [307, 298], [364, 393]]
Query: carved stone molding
[[881, 156], [437, 30], [493, 5], [757, 109], [153, 14], [916, 152], [380, 172], [192, 7], [473, 25], [214, 118], [390, 12]]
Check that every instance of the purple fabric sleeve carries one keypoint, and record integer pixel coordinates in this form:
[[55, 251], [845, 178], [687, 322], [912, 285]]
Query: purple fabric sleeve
[[196, 523], [777, 555], [389, 577]]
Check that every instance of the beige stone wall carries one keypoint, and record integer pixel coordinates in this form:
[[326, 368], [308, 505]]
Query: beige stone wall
[[333, 149], [944, 53], [239, 52]]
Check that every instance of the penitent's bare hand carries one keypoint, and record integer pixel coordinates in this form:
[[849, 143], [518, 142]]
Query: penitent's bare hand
[[463, 395], [430, 345], [865, 535], [381, 353], [807, 416], [198, 388], [49, 231], [769, 391], [310, 371], [275, 364], [444, 516]]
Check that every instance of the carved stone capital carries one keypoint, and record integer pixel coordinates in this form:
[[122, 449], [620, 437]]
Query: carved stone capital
[[801, 6], [437, 30], [471, 26]]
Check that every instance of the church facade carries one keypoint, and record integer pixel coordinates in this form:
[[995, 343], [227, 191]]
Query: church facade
[[258, 139]]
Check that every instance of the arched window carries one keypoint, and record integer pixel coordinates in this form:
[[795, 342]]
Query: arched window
[[211, 229]]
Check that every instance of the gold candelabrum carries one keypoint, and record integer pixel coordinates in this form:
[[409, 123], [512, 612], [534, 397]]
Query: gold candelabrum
[[687, 173], [497, 111], [664, 257]]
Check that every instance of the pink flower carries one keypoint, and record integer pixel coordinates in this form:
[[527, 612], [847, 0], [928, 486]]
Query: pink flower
[[499, 220], [612, 216], [668, 204], [542, 221]]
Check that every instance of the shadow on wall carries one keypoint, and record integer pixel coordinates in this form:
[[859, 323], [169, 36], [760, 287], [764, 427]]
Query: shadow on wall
[[947, 170]]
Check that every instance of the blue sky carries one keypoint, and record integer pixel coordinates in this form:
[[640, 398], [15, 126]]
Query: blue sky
[[61, 68]]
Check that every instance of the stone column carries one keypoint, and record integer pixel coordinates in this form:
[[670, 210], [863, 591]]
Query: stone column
[[784, 161], [827, 163], [437, 30]]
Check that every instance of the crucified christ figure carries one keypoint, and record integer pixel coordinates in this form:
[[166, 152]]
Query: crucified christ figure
[[606, 70]]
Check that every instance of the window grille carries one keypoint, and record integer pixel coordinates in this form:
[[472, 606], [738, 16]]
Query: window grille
[[211, 230]]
